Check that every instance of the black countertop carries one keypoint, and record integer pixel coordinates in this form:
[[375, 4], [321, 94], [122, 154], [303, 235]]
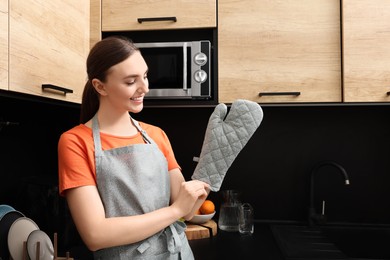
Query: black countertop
[[346, 241], [332, 241], [289, 240], [232, 245]]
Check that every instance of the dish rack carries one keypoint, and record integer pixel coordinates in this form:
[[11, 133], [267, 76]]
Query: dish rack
[[37, 256]]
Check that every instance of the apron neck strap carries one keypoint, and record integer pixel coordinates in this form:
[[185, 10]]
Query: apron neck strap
[[96, 135], [142, 131]]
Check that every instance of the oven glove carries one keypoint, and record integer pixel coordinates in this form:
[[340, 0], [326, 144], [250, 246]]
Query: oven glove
[[225, 138]]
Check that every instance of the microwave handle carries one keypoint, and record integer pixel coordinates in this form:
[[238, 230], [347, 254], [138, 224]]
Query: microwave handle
[[185, 88]]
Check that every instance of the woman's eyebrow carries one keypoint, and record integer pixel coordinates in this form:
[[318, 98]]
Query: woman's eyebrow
[[130, 76], [135, 75]]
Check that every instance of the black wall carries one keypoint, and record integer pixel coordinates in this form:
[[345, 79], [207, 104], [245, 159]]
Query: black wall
[[272, 171]]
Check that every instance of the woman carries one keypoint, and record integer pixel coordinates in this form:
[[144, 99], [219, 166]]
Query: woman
[[124, 188]]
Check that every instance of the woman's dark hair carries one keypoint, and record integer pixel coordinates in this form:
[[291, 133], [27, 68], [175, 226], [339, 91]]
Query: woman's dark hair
[[104, 54]]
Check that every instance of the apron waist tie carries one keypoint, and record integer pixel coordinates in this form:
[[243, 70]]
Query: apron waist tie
[[172, 233]]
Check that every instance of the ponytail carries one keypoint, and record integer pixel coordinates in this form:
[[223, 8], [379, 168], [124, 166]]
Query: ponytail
[[89, 104]]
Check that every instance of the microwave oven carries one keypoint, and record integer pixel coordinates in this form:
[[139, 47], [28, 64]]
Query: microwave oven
[[178, 70]]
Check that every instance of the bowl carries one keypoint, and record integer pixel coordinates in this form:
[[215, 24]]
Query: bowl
[[201, 219]]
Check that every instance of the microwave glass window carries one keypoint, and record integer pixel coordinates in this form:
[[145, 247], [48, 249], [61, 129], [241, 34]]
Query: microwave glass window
[[166, 67]]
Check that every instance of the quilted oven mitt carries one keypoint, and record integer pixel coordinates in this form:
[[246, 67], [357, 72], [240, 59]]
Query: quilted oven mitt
[[225, 138]]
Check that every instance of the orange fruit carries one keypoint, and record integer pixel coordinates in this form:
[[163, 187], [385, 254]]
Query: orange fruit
[[198, 212], [207, 207]]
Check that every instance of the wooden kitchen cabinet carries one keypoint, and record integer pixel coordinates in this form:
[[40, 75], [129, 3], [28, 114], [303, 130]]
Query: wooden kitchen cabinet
[[281, 49], [366, 50], [4, 44], [95, 22], [48, 44], [119, 15]]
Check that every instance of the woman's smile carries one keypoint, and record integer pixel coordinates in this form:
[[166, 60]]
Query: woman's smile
[[137, 99]]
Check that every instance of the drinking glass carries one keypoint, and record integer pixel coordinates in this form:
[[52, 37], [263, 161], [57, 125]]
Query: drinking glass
[[245, 221]]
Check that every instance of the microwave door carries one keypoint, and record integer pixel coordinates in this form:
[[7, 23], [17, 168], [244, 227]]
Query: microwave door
[[168, 69]]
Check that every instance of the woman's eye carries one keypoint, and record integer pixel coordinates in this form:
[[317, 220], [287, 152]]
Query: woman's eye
[[130, 83]]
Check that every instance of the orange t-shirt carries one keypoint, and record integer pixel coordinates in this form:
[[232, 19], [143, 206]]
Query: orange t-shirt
[[76, 153]]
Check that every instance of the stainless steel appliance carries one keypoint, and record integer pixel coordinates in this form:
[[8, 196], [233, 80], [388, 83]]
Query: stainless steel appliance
[[178, 70]]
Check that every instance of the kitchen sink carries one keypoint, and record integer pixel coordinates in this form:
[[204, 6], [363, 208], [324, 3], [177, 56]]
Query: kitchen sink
[[332, 241], [361, 242]]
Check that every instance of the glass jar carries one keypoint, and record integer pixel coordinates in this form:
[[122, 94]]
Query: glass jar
[[229, 211]]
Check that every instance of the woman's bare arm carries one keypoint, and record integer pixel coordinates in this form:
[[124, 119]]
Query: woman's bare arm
[[99, 232]]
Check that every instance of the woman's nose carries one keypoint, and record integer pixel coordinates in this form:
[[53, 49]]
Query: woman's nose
[[144, 86]]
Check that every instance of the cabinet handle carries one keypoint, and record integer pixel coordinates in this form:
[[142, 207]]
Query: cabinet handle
[[388, 93], [157, 19], [50, 86], [279, 94]]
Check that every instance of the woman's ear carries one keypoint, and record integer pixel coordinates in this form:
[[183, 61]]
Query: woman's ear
[[99, 87]]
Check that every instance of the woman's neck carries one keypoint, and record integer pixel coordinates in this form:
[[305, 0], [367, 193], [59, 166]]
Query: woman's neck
[[116, 124]]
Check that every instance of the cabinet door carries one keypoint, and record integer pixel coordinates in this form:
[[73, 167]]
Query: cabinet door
[[4, 44], [95, 21], [119, 15], [279, 47], [49, 42], [366, 38]]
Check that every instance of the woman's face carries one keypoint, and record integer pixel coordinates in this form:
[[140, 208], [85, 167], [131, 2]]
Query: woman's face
[[126, 84]]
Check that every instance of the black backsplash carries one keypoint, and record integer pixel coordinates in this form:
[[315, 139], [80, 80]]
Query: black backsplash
[[272, 171]]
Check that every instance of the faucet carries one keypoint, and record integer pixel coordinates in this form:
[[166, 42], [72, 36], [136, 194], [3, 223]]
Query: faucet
[[313, 216]]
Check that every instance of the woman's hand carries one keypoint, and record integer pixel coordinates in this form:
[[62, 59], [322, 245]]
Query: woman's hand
[[191, 194], [187, 197], [197, 205]]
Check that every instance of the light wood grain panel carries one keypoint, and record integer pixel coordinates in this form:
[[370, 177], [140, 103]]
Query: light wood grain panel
[[49, 42], [366, 30], [95, 22], [4, 44], [279, 46], [122, 14]]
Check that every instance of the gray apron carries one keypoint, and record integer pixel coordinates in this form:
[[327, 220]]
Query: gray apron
[[134, 180]]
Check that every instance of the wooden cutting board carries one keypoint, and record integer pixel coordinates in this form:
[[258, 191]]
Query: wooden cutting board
[[198, 231]]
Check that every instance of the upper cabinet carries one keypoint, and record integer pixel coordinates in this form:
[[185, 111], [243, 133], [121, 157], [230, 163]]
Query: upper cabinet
[[95, 22], [118, 15], [4, 44], [48, 44], [366, 50], [268, 51], [279, 51]]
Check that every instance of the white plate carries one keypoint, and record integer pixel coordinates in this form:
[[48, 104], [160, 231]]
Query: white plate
[[201, 219], [46, 249], [18, 233], [5, 223]]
